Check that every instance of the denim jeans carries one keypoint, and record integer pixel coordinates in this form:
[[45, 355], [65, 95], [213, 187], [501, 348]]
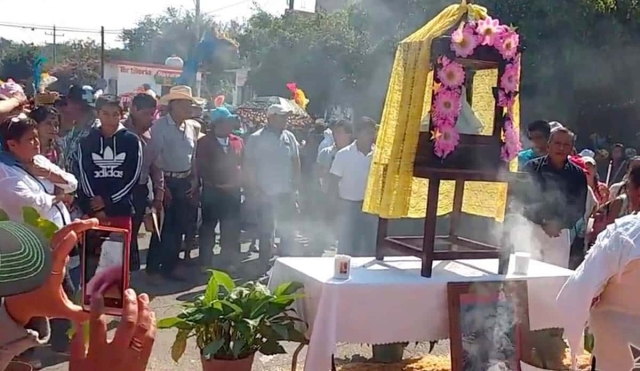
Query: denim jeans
[[140, 204], [220, 206], [177, 215]]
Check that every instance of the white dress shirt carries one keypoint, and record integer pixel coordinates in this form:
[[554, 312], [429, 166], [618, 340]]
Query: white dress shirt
[[615, 247], [21, 189], [352, 167]]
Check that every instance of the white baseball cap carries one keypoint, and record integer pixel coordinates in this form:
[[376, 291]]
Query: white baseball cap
[[278, 109], [587, 153]]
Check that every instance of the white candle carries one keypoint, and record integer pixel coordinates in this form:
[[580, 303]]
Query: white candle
[[521, 265], [342, 267]]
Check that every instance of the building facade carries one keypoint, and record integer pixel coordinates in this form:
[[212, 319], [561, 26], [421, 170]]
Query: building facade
[[126, 77]]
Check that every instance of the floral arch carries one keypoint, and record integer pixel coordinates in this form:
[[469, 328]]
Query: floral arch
[[450, 78]]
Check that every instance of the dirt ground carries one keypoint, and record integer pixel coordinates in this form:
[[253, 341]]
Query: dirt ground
[[166, 301]]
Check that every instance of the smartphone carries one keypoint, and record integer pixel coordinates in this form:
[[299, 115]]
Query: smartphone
[[105, 267]]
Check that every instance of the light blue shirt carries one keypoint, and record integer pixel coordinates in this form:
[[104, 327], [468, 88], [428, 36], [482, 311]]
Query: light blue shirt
[[273, 158]]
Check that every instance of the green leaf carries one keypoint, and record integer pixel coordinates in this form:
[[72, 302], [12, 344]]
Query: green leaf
[[271, 347], [3, 216], [281, 330], [236, 308], [32, 218], [179, 345], [286, 298], [287, 288], [212, 348], [297, 336], [224, 280], [237, 347], [212, 290], [172, 322]]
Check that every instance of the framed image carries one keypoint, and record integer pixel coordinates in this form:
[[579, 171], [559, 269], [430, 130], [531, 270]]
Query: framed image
[[487, 321]]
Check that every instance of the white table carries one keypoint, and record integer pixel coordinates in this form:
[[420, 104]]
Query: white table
[[389, 302]]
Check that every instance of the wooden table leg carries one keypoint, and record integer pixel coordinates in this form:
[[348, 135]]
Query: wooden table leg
[[333, 363]]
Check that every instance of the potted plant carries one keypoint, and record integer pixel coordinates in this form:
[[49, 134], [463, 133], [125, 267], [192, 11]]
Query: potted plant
[[231, 323]]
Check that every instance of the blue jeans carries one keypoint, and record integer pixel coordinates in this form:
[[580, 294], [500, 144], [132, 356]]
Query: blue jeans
[[357, 230], [177, 219]]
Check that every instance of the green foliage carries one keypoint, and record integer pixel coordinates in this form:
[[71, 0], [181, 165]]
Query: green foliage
[[33, 218], [16, 61], [232, 322]]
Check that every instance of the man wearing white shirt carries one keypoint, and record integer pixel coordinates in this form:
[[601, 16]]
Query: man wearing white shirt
[[350, 172]]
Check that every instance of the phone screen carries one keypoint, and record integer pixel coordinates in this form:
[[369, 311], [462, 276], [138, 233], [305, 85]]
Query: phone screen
[[104, 267]]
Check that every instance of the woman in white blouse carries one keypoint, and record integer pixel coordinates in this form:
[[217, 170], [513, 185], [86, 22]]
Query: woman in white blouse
[[28, 179]]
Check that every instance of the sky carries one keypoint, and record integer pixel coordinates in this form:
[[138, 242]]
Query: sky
[[114, 15]]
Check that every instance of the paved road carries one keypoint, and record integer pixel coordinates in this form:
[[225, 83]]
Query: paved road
[[166, 301]]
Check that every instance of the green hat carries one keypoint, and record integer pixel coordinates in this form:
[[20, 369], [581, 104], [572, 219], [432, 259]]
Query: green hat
[[25, 258]]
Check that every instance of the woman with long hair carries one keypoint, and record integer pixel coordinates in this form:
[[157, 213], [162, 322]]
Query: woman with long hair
[[47, 119], [617, 189]]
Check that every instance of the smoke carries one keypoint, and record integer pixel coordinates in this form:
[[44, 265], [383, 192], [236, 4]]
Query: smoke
[[488, 329]]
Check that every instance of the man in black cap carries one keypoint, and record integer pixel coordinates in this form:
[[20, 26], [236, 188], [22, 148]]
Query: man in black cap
[[79, 108]]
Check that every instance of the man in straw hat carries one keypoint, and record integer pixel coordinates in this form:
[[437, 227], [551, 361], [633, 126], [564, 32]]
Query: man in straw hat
[[272, 166], [173, 147]]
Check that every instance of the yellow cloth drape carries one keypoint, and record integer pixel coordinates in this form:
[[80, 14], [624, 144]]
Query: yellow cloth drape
[[392, 191]]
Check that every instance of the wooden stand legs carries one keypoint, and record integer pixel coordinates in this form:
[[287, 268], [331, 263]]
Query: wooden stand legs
[[430, 227]]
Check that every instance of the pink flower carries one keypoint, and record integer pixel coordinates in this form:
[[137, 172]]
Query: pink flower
[[447, 104], [464, 42], [447, 140], [512, 143], [510, 78], [488, 29], [507, 44], [441, 121], [505, 99], [444, 61], [451, 75]]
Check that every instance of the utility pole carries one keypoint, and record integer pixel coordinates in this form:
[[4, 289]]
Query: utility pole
[[198, 20], [102, 51], [55, 43], [291, 2]]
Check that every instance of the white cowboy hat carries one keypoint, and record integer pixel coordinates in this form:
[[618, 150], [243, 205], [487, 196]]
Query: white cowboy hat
[[178, 92], [200, 102]]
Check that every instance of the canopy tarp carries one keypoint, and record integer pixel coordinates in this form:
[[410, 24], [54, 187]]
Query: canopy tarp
[[393, 191]]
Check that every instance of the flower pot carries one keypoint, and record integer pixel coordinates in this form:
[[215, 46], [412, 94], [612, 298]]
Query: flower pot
[[388, 353], [243, 364], [18, 366]]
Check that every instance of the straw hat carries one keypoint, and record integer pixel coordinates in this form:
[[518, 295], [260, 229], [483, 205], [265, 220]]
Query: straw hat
[[178, 92]]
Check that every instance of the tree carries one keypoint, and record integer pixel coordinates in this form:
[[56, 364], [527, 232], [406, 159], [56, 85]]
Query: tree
[[17, 60], [326, 54], [154, 38]]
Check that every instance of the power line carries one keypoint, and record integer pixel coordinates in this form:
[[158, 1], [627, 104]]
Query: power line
[[34, 27], [228, 6]]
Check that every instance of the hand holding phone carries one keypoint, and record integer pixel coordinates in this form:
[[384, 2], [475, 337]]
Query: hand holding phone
[[105, 268]]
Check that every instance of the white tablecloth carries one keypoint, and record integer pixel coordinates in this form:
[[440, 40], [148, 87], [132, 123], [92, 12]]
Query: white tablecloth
[[389, 302]]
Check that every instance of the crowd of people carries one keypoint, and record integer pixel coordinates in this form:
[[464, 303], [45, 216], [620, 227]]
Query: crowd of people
[[196, 176], [191, 171]]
